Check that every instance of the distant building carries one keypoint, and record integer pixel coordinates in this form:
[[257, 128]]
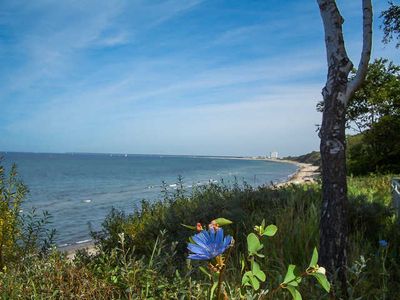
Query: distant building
[[274, 155]]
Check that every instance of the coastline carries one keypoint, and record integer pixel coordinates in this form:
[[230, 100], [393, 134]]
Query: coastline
[[306, 173]]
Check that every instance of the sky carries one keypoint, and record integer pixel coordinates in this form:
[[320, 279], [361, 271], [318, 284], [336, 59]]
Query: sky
[[168, 77]]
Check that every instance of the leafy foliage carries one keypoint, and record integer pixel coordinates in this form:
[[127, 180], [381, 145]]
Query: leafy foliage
[[12, 193], [391, 23], [377, 149]]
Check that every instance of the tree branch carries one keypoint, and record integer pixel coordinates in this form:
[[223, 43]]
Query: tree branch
[[355, 83]]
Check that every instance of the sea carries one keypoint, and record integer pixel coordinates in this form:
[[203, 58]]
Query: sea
[[79, 190]]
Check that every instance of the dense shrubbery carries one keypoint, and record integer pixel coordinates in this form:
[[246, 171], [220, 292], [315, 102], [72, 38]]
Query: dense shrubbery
[[143, 255]]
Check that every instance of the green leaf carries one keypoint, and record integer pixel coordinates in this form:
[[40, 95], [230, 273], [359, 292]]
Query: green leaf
[[189, 227], [322, 281], [246, 277], [255, 283], [253, 244], [290, 277], [249, 279], [314, 258], [214, 286], [295, 293], [202, 269], [256, 270], [270, 230], [242, 263], [222, 221]]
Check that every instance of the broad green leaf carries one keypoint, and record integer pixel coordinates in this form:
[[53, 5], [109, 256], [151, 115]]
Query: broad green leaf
[[322, 281], [270, 230], [249, 279], [222, 221], [295, 293], [256, 270], [290, 277], [253, 244], [189, 227], [246, 277], [314, 258], [254, 282]]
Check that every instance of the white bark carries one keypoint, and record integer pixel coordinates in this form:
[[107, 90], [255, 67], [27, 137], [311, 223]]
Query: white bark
[[335, 47], [366, 51]]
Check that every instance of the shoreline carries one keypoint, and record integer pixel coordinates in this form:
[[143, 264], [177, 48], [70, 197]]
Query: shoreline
[[306, 173]]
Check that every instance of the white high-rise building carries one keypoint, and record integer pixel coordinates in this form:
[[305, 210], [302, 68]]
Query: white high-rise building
[[274, 154]]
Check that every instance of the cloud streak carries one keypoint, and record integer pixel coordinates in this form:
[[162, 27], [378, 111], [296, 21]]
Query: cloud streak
[[176, 77]]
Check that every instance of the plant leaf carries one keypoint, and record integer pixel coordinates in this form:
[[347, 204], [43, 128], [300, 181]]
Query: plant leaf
[[246, 277], [202, 269], [222, 221], [214, 286], [256, 270], [253, 244], [291, 278], [295, 293], [254, 282], [314, 258], [270, 230], [322, 281], [189, 227]]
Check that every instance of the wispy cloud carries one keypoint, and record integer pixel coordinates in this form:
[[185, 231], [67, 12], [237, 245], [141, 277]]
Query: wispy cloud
[[173, 76]]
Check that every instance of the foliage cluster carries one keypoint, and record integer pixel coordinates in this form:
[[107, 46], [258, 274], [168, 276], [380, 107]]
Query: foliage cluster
[[374, 113], [391, 23], [142, 256]]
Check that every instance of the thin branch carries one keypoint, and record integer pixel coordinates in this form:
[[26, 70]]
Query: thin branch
[[355, 83]]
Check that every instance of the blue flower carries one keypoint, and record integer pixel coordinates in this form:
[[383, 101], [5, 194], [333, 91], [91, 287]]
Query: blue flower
[[208, 244], [383, 243]]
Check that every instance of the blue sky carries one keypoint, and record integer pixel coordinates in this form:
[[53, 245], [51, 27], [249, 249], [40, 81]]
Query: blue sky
[[172, 77]]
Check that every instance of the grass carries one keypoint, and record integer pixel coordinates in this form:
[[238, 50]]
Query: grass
[[142, 255]]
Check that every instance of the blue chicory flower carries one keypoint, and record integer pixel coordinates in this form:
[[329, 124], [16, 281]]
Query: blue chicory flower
[[209, 244], [383, 243]]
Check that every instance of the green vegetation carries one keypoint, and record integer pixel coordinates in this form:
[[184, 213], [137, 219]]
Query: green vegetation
[[373, 112], [143, 255], [313, 158]]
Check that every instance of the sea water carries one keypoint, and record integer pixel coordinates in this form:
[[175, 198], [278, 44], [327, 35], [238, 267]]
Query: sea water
[[79, 190]]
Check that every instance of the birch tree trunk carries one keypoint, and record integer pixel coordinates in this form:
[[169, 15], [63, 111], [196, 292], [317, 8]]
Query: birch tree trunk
[[336, 94]]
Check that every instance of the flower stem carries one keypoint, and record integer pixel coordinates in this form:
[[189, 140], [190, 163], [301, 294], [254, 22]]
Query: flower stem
[[221, 273]]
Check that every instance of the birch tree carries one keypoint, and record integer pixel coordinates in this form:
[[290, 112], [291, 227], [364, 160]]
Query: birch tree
[[336, 94]]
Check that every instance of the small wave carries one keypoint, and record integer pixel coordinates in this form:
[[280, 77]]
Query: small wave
[[172, 185], [87, 200], [83, 241]]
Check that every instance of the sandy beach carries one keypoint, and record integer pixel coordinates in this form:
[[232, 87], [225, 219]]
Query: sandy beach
[[307, 173]]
